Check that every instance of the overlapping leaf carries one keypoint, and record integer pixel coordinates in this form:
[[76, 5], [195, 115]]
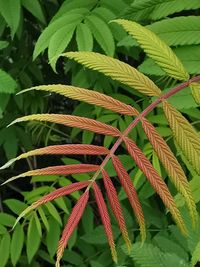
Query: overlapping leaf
[[186, 136], [117, 70], [156, 49]]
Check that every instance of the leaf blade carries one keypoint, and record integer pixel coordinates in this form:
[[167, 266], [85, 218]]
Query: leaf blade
[[117, 70]]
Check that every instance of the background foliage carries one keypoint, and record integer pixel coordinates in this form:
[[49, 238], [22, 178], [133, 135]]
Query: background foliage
[[32, 35]]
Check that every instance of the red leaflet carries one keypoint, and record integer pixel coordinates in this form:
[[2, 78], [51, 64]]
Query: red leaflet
[[73, 220], [78, 149], [58, 170], [156, 181], [66, 190], [73, 121], [131, 193], [116, 207], [105, 219]]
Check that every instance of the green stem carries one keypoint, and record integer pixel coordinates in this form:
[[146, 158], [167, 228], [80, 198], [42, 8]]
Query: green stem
[[144, 113]]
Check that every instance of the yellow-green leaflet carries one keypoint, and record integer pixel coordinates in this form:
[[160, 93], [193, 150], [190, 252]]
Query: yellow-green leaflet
[[156, 49], [186, 136], [117, 70], [195, 88]]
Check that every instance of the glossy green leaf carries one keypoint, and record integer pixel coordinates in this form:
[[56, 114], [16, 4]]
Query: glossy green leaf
[[53, 236], [84, 37], [102, 34], [53, 211], [17, 243], [4, 249], [33, 239], [7, 219], [10, 10], [7, 83], [34, 7]]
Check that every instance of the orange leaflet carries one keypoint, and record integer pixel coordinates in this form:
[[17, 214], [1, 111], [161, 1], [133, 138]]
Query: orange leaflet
[[66, 190], [172, 166], [73, 220], [73, 121], [88, 96], [116, 207], [156, 181], [78, 149], [58, 170], [131, 193], [105, 219]]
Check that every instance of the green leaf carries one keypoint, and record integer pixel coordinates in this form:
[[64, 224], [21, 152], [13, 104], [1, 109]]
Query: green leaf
[[53, 211], [71, 6], [38, 224], [88, 220], [60, 202], [196, 254], [102, 34], [10, 10], [17, 243], [3, 44], [4, 249], [7, 83], [157, 9], [73, 258], [147, 255], [15, 205], [7, 219], [43, 218], [45, 38], [3, 229], [178, 30], [59, 41], [156, 49], [53, 236], [84, 37], [34, 7], [33, 239]]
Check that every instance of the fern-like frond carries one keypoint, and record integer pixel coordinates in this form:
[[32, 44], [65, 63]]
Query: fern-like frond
[[186, 136], [117, 70], [73, 221], [156, 49], [73, 121], [157, 9], [171, 165], [88, 96], [178, 30], [105, 219], [156, 181], [116, 207], [56, 170], [66, 190], [129, 188], [78, 149]]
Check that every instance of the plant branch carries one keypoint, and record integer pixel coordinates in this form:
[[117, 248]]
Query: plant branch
[[144, 113]]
